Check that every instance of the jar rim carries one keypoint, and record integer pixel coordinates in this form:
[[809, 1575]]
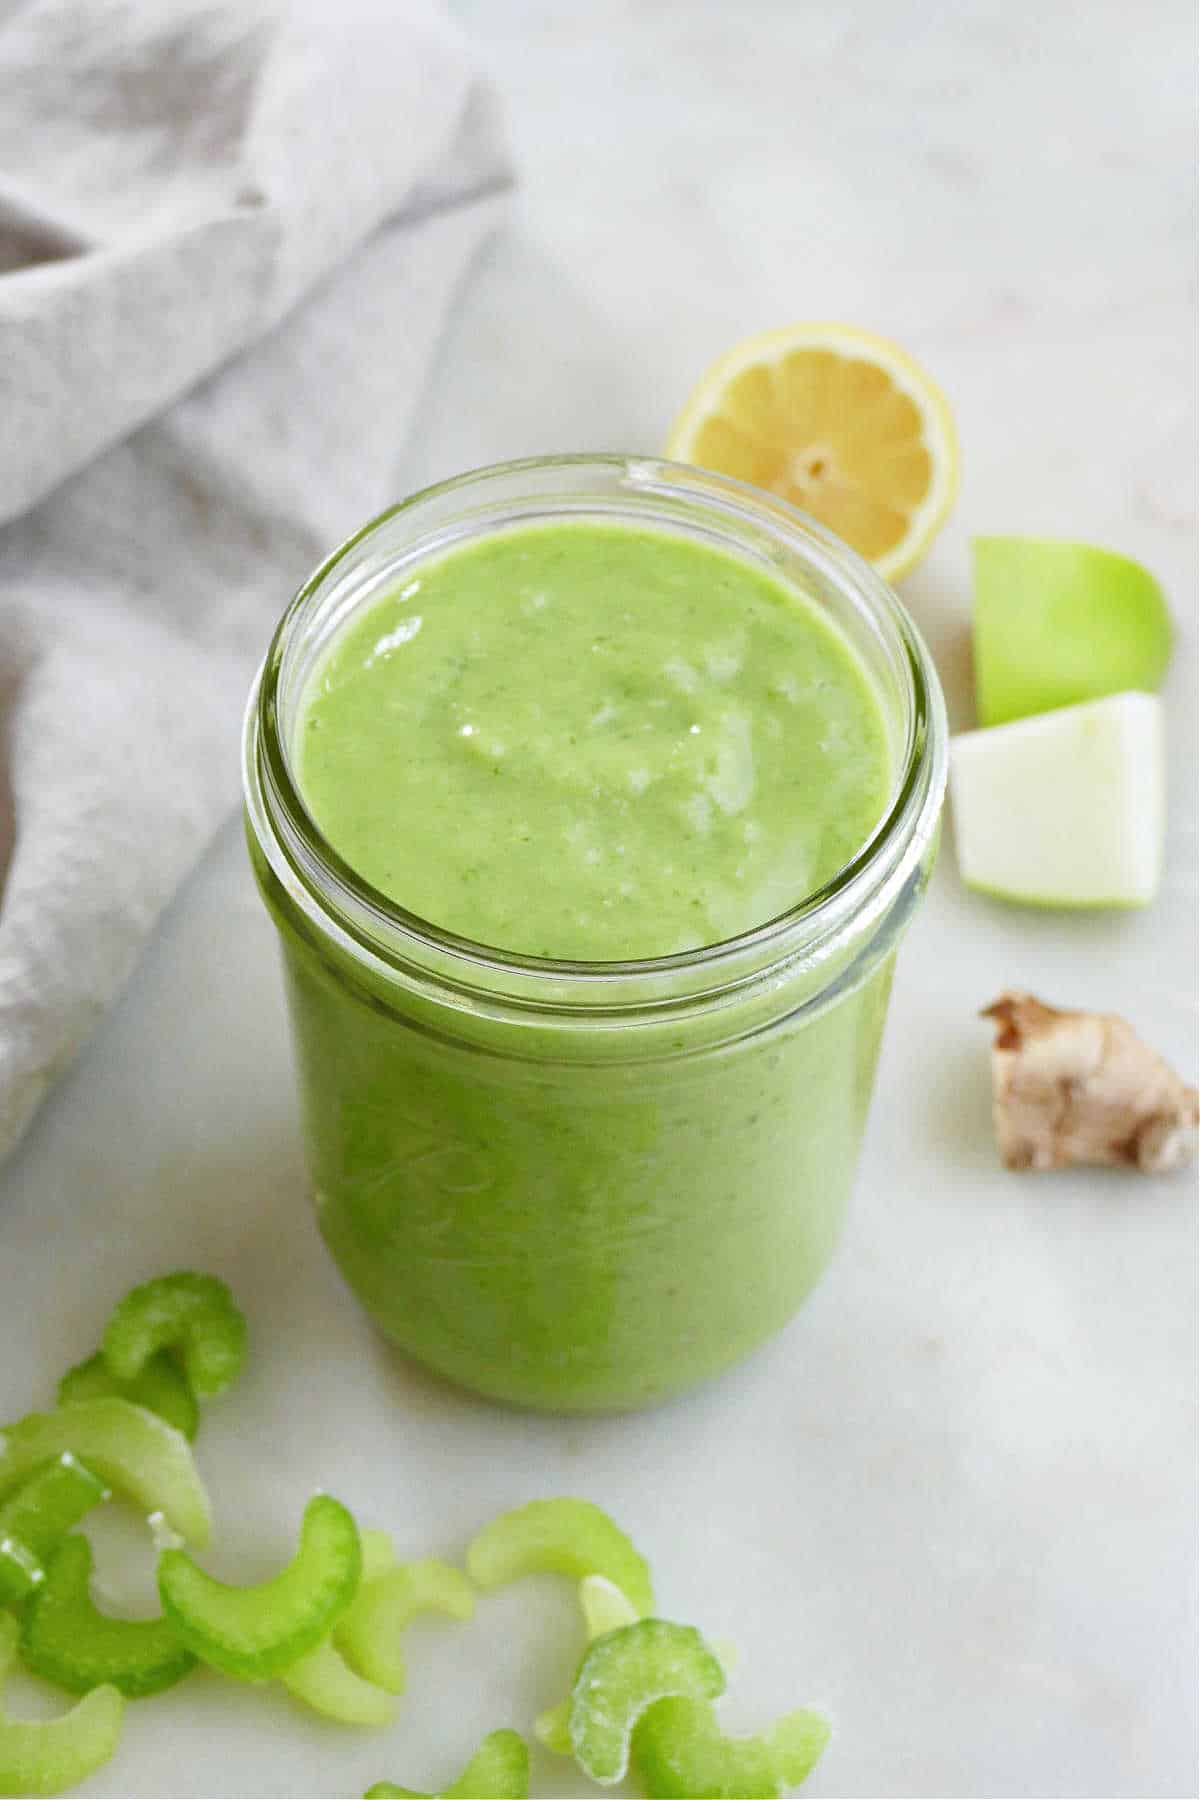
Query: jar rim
[[380, 929]]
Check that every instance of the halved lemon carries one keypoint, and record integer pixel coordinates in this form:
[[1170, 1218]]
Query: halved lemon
[[843, 424]]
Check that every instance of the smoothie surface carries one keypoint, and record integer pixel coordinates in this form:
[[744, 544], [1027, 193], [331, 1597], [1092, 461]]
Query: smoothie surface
[[593, 741]]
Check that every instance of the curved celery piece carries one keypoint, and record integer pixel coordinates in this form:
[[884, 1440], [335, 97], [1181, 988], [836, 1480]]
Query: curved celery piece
[[499, 1770], [681, 1754], [133, 1450], [160, 1386], [195, 1315], [378, 1555], [46, 1756], [562, 1537], [256, 1632], [20, 1571], [623, 1674], [34, 1521], [368, 1634], [68, 1640], [604, 1609], [325, 1681], [552, 1729]]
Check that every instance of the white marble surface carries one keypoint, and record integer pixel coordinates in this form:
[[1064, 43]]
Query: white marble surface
[[955, 1502]]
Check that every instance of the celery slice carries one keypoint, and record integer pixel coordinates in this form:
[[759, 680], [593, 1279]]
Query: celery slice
[[562, 1537], [135, 1451], [681, 1754], [324, 1680], [34, 1521], [68, 1640], [605, 1609], [195, 1315], [378, 1555], [47, 1756], [621, 1676], [369, 1633], [499, 1770], [160, 1386], [256, 1632]]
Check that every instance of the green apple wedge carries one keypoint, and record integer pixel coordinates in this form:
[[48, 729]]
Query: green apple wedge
[[1065, 809], [1059, 623]]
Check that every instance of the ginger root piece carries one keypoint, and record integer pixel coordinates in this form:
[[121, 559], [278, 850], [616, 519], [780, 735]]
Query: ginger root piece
[[1081, 1087]]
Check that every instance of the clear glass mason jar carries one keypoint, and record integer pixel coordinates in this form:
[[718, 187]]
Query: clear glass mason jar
[[585, 1186]]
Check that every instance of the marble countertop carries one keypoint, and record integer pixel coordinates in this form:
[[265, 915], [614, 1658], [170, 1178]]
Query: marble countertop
[[955, 1502]]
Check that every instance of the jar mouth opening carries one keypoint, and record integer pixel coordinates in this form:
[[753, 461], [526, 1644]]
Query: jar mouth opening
[[330, 886]]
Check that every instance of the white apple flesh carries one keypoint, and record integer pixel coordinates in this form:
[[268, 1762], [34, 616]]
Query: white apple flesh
[[1066, 808]]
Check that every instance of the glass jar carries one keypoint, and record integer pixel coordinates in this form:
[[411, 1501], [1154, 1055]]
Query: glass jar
[[585, 1186]]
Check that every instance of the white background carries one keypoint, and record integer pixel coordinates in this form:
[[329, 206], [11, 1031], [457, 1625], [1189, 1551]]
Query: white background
[[955, 1502]]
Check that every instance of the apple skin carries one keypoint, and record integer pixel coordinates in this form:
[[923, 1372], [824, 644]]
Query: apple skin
[[1057, 623]]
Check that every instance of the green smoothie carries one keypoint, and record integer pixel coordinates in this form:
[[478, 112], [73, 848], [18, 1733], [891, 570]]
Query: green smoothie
[[599, 742], [591, 742]]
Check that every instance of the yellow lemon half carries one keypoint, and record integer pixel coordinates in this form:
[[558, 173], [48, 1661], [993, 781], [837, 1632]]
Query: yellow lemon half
[[840, 423]]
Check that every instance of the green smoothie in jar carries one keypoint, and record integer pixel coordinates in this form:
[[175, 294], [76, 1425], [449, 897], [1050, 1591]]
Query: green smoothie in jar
[[559, 803]]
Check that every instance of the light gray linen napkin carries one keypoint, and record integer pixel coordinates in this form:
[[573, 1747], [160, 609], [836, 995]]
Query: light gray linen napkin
[[229, 235]]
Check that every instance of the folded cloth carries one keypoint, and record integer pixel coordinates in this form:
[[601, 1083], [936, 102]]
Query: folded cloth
[[229, 236]]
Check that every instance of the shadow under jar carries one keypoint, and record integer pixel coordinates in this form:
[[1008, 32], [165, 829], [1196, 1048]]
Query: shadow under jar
[[577, 1185]]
